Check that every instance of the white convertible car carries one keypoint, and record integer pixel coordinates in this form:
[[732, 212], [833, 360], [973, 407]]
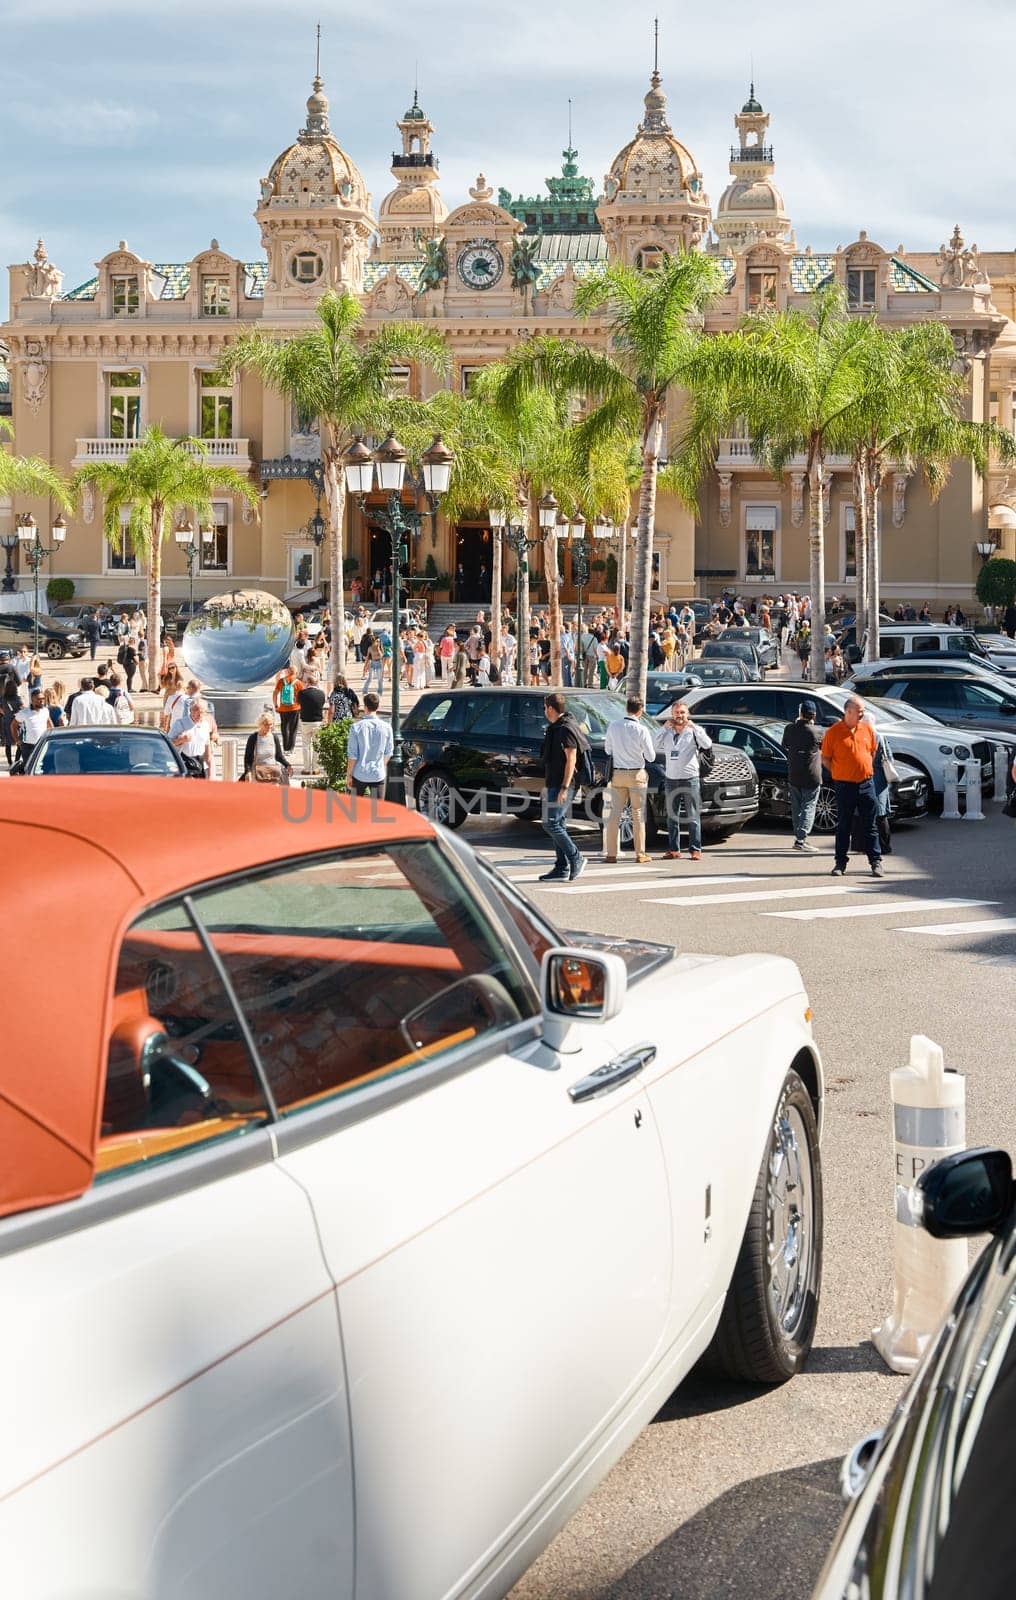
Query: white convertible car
[[353, 1220]]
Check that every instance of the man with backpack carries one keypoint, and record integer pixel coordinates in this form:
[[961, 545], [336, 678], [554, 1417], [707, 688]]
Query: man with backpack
[[688, 756], [566, 763]]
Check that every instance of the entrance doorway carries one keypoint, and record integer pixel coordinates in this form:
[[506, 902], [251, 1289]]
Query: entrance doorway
[[472, 564]]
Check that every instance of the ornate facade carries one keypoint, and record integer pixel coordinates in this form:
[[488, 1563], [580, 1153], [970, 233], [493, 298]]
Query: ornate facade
[[140, 341]]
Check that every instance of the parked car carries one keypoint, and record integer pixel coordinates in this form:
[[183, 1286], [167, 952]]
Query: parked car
[[930, 1494], [761, 742], [178, 618], [926, 748], [957, 700], [347, 1170], [380, 621], [112, 751], [951, 661], [724, 649], [470, 750], [767, 646], [663, 688], [57, 638], [898, 639]]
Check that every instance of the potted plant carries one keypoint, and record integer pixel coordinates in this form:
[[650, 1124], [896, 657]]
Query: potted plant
[[440, 587], [597, 569]]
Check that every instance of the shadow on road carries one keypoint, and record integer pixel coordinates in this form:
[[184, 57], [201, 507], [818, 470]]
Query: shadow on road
[[766, 1538]]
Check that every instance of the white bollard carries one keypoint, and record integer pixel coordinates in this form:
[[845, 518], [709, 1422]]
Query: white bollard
[[929, 1118], [1001, 774], [972, 790], [950, 791], [230, 750]]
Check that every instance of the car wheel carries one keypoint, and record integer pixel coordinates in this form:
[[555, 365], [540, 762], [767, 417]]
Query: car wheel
[[825, 811], [768, 1320], [55, 650], [439, 800]]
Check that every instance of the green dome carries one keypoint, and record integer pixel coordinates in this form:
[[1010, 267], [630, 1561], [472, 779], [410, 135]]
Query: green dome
[[751, 104], [414, 114]]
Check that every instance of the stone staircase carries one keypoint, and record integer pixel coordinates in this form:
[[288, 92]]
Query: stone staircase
[[438, 617]]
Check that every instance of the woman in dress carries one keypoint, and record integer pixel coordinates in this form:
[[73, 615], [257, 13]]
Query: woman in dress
[[34, 675], [53, 699], [419, 679], [168, 662], [446, 651]]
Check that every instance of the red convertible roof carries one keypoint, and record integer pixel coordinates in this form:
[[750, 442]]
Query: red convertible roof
[[79, 859]]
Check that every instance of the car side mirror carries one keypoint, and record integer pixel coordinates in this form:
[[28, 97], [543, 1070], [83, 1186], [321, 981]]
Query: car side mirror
[[579, 986], [966, 1193]]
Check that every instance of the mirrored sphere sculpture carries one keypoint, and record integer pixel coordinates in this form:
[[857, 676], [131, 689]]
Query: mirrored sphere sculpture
[[238, 639]]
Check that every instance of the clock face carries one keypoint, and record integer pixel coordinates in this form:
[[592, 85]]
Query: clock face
[[480, 265]]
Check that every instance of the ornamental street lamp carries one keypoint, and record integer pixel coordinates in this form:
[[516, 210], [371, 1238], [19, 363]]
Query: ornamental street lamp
[[580, 577], [9, 543], [986, 549], [389, 460], [183, 533], [515, 533], [35, 553]]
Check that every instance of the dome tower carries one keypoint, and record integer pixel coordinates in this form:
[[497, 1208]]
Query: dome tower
[[314, 215], [653, 201], [414, 210], [751, 207]]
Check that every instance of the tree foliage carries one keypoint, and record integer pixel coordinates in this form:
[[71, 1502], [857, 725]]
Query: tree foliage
[[996, 582]]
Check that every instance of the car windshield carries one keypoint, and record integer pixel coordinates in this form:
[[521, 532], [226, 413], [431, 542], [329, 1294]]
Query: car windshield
[[127, 755], [730, 647], [718, 671], [596, 715]]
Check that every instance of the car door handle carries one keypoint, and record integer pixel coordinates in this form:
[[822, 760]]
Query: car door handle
[[613, 1074]]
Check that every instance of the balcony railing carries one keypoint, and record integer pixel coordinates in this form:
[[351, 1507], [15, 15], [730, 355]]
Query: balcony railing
[[751, 152], [734, 453], [416, 158], [230, 452]]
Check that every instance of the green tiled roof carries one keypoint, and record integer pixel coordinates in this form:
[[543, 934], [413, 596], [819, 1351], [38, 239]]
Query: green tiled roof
[[84, 291], [904, 279], [172, 282], [808, 273], [574, 247], [255, 273], [408, 271]]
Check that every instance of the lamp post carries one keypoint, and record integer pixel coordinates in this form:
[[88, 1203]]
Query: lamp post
[[9, 543], [183, 533], [580, 577], [389, 459], [35, 553], [515, 533], [985, 549]]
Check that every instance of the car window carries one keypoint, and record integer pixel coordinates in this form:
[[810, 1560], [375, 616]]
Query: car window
[[928, 641], [731, 701], [489, 715], [595, 716], [443, 714], [361, 967], [892, 646], [979, 697], [536, 936], [940, 692], [132, 755], [533, 721], [177, 1071]]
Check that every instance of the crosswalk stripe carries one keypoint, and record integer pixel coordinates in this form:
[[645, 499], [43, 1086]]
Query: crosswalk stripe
[[743, 899], [989, 925], [631, 888], [883, 909], [599, 869]]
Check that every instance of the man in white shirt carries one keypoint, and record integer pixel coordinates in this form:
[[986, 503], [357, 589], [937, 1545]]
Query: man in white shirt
[[369, 750], [31, 724], [192, 734], [680, 742], [629, 745], [90, 710]]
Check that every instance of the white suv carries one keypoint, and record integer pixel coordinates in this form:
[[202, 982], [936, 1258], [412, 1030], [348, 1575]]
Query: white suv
[[926, 748]]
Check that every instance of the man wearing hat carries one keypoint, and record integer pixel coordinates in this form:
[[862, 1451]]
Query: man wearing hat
[[803, 745]]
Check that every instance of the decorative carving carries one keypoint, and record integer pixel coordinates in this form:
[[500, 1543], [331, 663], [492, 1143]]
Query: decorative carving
[[726, 479], [970, 344], [248, 512], [390, 293], [88, 502], [900, 480], [959, 267], [44, 279], [34, 375], [486, 216], [434, 271], [797, 498], [481, 189], [560, 293]]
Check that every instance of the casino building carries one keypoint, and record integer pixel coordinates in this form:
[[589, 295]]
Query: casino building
[[139, 342]]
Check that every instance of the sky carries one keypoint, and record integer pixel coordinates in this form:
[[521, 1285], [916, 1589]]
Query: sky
[[154, 123]]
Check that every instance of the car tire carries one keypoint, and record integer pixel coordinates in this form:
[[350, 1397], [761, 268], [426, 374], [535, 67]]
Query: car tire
[[55, 650], [768, 1320], [437, 797], [825, 811]]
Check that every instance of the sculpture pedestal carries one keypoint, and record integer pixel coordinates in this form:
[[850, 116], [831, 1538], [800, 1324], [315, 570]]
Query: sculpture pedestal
[[240, 709]]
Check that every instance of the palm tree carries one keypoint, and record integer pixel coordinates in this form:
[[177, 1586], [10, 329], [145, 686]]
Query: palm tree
[[651, 323], [909, 412], [29, 475], [795, 379], [156, 480], [345, 381]]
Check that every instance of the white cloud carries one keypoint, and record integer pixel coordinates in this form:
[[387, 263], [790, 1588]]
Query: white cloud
[[97, 124]]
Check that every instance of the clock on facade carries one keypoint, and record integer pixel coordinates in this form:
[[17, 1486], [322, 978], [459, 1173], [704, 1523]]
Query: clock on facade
[[480, 265]]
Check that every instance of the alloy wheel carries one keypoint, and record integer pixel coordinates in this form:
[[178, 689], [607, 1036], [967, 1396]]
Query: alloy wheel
[[789, 1219]]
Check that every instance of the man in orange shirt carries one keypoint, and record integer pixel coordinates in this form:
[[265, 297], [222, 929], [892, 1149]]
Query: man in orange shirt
[[848, 752]]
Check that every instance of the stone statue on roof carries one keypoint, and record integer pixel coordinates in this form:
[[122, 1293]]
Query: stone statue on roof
[[959, 266], [435, 264], [523, 267], [44, 279]]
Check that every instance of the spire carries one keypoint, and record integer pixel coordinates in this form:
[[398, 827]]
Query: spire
[[317, 103]]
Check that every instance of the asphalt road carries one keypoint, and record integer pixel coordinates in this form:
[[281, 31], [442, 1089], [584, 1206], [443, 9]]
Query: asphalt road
[[733, 1492]]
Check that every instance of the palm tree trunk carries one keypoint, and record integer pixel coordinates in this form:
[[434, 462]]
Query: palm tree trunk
[[496, 579], [158, 515], [816, 565], [642, 567], [335, 496], [874, 475], [550, 568], [622, 575], [860, 546]]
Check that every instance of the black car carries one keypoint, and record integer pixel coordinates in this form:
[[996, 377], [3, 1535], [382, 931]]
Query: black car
[[959, 701], [767, 646], [930, 1496], [761, 741], [56, 637], [476, 750], [724, 649], [663, 688], [107, 752]]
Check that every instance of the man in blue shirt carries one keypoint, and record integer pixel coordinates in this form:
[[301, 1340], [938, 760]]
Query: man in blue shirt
[[369, 751]]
